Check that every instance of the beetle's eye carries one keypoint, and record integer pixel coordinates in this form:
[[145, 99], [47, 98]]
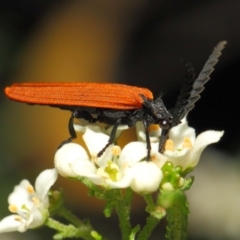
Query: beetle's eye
[[164, 124]]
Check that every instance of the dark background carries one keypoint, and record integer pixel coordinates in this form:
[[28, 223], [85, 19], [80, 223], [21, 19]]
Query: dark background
[[141, 43]]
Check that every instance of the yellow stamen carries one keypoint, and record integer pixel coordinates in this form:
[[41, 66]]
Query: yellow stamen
[[187, 143], [116, 150], [30, 189], [153, 127], [169, 145], [12, 208]]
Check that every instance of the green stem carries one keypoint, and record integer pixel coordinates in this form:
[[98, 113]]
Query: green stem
[[177, 214], [123, 211], [128, 198], [156, 214], [148, 228], [68, 215], [115, 199], [150, 203], [70, 231]]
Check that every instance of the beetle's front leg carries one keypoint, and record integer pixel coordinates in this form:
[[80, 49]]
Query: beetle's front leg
[[163, 138]]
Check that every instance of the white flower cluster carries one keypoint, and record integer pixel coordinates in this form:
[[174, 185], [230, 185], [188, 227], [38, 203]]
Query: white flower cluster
[[128, 167], [116, 168]]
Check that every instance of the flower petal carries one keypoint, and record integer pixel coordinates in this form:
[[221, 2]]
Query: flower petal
[[178, 157], [83, 168], [124, 182], [95, 139], [9, 224], [36, 219], [43, 183], [178, 133], [132, 153], [146, 177], [66, 155], [20, 195], [105, 157], [202, 141]]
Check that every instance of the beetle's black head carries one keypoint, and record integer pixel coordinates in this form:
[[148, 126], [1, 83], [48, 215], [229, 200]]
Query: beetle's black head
[[158, 114]]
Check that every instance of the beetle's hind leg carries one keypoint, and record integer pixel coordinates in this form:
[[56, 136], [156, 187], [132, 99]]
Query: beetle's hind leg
[[71, 129], [111, 138], [73, 135], [76, 114]]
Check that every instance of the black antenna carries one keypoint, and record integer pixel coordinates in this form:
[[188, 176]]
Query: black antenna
[[190, 91]]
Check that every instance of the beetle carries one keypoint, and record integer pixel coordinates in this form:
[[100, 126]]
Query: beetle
[[117, 104], [109, 103]]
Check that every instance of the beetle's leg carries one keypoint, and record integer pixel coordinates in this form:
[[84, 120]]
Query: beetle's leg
[[111, 138], [163, 139], [71, 129], [146, 125], [71, 125]]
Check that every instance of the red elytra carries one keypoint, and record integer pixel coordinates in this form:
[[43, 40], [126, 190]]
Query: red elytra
[[98, 95]]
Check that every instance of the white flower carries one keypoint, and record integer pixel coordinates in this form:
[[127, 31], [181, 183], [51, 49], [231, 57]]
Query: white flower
[[147, 177], [114, 169], [182, 148], [29, 205], [182, 151]]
